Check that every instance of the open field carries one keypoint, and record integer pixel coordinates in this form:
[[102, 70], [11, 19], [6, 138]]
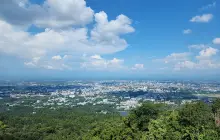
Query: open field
[[217, 95]]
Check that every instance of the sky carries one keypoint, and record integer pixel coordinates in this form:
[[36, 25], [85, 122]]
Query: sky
[[115, 39]]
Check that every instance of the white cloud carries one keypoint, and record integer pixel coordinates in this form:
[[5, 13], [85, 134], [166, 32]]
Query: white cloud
[[65, 13], [116, 61], [52, 13], [176, 57], [33, 62], [198, 46], [23, 13], [102, 64], [29, 64], [105, 39], [138, 67], [205, 18], [49, 67], [57, 57], [66, 57], [67, 42], [208, 64], [208, 6], [205, 60], [108, 32], [200, 65], [96, 57], [52, 64], [184, 65], [206, 53], [187, 31], [216, 41]]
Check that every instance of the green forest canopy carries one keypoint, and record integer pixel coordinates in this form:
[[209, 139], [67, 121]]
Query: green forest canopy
[[194, 121]]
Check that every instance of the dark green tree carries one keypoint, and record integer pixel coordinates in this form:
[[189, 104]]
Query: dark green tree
[[141, 116], [196, 114], [216, 106]]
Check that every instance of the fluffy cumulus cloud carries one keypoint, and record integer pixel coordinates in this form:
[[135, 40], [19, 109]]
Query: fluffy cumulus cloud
[[33, 62], [216, 41], [57, 57], [96, 62], [184, 65], [64, 13], [205, 18], [200, 65], [22, 14], [96, 57], [198, 46], [204, 58], [55, 63], [187, 31], [176, 57], [207, 53], [52, 13], [108, 32], [107, 29], [138, 67], [65, 38]]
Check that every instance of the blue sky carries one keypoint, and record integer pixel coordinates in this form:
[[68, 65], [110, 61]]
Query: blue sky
[[114, 39]]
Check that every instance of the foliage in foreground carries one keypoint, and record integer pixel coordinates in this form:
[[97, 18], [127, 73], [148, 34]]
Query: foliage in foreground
[[154, 122], [196, 121]]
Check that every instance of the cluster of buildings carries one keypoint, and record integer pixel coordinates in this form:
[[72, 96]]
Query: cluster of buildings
[[123, 95]]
